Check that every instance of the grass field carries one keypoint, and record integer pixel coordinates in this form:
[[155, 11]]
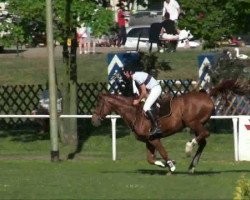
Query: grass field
[[33, 68], [27, 173]]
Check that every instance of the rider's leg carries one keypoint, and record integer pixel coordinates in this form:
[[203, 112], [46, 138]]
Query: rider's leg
[[155, 129], [152, 97]]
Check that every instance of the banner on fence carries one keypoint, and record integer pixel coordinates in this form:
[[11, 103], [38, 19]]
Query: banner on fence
[[244, 138], [204, 62], [115, 63]]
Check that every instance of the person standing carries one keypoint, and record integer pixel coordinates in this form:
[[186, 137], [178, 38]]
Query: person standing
[[173, 8], [122, 35], [91, 40], [82, 35]]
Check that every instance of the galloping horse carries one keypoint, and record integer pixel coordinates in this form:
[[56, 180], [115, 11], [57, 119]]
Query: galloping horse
[[191, 110]]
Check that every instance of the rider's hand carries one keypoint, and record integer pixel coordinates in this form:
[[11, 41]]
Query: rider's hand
[[136, 102]]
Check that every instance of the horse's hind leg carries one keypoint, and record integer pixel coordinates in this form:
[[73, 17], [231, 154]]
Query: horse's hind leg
[[201, 134], [197, 156]]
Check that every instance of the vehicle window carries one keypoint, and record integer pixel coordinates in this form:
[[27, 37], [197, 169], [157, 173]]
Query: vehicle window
[[136, 31]]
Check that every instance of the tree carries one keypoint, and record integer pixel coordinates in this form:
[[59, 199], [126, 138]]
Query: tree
[[68, 14], [31, 14], [210, 20]]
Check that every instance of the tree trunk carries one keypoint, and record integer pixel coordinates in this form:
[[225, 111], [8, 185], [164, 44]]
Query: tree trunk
[[68, 126]]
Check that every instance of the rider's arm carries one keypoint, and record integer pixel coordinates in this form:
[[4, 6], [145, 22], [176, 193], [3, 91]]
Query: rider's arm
[[143, 94]]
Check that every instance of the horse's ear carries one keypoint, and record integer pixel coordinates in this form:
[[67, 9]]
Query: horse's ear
[[102, 95]]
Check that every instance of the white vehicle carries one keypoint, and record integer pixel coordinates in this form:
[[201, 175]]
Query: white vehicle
[[133, 33]]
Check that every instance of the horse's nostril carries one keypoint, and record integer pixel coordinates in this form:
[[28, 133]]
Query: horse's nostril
[[95, 120]]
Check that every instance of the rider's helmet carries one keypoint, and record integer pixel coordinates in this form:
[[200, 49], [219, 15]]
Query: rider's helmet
[[131, 67]]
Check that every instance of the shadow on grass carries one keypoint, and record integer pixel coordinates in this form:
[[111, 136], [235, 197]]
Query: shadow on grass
[[196, 173], [12, 51], [87, 130], [165, 172], [31, 131], [24, 132]]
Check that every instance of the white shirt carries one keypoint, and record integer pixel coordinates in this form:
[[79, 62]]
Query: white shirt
[[82, 31], [140, 78], [172, 8]]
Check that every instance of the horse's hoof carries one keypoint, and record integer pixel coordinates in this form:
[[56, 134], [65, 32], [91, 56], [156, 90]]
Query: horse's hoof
[[169, 173], [188, 149], [192, 170]]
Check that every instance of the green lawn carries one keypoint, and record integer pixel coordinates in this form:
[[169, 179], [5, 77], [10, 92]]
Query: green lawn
[[91, 68], [27, 173]]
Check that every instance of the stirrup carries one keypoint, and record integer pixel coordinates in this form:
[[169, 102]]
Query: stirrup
[[156, 133]]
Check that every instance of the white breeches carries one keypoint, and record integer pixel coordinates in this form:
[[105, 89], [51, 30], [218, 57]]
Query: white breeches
[[166, 36], [154, 93]]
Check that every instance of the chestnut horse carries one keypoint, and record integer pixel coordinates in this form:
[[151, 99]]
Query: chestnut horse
[[191, 110]]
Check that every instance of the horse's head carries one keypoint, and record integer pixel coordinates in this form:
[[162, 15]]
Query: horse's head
[[102, 109]]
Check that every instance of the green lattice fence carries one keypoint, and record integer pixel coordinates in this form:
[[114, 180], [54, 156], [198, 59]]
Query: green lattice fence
[[22, 99], [19, 100]]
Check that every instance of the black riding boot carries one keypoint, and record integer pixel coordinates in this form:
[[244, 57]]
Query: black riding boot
[[155, 131]]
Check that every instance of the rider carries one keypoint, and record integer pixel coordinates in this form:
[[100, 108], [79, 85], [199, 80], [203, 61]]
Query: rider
[[149, 89]]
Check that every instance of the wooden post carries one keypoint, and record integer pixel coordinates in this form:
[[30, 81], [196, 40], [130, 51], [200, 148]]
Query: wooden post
[[52, 85]]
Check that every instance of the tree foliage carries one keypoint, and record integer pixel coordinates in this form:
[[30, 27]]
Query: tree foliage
[[212, 19], [231, 68], [32, 16]]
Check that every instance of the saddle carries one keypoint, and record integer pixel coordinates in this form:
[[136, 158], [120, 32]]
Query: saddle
[[162, 107]]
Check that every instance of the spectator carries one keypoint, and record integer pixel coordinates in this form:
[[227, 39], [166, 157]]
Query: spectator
[[82, 35], [169, 32], [173, 8], [91, 40], [122, 35]]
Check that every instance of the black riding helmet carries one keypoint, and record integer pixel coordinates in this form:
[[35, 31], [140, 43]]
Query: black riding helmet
[[132, 67]]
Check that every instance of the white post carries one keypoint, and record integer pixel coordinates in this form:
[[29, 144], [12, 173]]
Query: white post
[[236, 139], [113, 121]]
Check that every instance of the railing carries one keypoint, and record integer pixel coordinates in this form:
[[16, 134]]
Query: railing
[[113, 123]]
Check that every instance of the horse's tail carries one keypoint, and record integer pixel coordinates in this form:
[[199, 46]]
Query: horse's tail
[[225, 86]]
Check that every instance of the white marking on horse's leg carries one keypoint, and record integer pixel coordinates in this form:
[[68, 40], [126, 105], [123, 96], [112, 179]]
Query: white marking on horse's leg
[[194, 142], [171, 165], [191, 171], [159, 163], [189, 147]]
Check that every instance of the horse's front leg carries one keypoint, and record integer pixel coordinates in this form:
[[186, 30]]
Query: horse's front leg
[[156, 143], [197, 156], [151, 156]]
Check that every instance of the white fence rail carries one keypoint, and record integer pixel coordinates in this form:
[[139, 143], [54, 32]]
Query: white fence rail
[[235, 120]]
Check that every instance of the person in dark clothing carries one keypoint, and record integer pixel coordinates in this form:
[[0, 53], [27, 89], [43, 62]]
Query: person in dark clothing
[[169, 32], [169, 25]]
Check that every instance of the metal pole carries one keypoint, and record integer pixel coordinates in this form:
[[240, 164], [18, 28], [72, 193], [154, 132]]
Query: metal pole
[[236, 138], [52, 85], [113, 121]]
